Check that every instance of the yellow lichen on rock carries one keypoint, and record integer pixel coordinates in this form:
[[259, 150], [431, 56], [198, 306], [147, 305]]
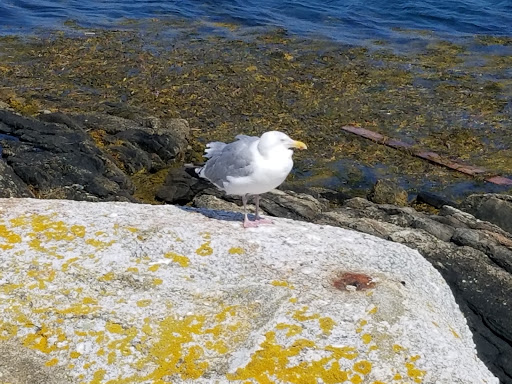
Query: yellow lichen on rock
[[367, 338], [204, 249], [326, 325], [278, 283], [98, 244], [292, 329], [236, 251], [100, 302], [273, 361], [68, 262], [9, 237], [184, 261], [364, 367], [300, 315], [179, 347], [78, 230]]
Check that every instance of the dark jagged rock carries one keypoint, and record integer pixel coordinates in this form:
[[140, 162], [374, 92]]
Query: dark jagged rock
[[474, 256], [88, 157], [148, 143], [434, 200], [219, 204], [495, 208], [52, 158], [441, 231], [10, 184], [181, 186], [387, 192], [481, 241]]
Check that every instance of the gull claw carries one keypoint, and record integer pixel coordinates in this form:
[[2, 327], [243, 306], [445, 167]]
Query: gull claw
[[255, 223], [261, 220]]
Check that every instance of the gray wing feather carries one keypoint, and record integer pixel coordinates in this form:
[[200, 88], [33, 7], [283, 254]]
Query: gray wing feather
[[214, 149], [228, 160]]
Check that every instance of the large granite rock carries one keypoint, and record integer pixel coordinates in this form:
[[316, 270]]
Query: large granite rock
[[116, 292], [474, 256]]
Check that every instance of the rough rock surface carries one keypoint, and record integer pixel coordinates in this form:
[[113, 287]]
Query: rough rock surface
[[61, 160], [214, 203], [181, 186], [147, 143], [287, 204], [475, 258], [10, 184], [85, 157], [117, 292], [495, 208], [387, 192]]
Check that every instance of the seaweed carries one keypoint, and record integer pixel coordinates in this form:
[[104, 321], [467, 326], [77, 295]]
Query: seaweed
[[226, 79]]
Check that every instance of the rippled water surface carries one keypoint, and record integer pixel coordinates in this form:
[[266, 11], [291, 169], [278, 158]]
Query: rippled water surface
[[349, 21]]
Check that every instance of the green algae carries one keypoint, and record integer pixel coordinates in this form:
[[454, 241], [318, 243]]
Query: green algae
[[147, 184], [446, 96]]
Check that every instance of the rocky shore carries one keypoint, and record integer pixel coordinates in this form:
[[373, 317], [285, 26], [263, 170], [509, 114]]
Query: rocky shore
[[114, 156]]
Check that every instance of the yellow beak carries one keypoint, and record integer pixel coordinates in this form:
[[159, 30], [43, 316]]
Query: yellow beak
[[299, 145]]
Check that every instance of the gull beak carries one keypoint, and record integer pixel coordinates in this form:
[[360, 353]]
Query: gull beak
[[299, 145]]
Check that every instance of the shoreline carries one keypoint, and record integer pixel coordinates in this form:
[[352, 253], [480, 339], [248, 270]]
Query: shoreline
[[224, 85]]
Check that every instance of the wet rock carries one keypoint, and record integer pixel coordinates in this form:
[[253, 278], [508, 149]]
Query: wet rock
[[434, 200], [347, 219], [288, 204], [358, 203], [182, 186], [494, 208], [51, 157], [467, 220], [324, 195], [387, 192], [10, 184]]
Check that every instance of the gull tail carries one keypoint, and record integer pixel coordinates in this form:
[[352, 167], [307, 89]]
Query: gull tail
[[213, 149]]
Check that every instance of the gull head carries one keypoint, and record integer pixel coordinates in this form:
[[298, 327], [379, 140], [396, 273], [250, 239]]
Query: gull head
[[274, 140]]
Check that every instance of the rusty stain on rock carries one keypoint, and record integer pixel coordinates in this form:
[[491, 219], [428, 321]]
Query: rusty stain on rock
[[351, 281]]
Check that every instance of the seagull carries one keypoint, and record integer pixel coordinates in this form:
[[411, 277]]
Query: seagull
[[250, 166]]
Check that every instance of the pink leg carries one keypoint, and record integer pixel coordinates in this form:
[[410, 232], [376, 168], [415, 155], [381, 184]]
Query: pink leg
[[258, 218], [247, 222]]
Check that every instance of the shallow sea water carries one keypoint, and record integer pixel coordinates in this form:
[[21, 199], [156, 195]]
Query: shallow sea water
[[407, 27], [347, 21]]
